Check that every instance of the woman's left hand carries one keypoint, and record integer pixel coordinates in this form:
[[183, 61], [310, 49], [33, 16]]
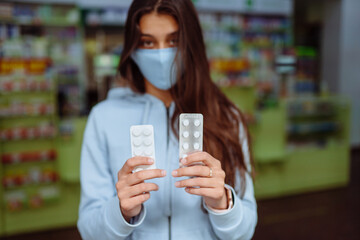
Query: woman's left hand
[[208, 181]]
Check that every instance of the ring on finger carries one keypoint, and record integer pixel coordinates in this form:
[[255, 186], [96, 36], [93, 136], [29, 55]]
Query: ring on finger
[[210, 172]]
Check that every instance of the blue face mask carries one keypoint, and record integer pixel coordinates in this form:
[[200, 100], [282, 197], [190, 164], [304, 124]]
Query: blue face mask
[[157, 66]]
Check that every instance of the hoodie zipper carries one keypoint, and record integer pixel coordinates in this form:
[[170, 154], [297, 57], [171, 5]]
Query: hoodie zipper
[[168, 163]]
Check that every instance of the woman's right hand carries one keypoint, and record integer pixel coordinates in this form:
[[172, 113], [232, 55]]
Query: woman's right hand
[[131, 189]]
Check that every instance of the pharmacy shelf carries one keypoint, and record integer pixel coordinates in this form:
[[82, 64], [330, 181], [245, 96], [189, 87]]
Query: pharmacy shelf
[[303, 167], [66, 208], [60, 24], [69, 149], [62, 213]]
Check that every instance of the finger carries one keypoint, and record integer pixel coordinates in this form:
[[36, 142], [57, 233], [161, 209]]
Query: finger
[[141, 176], [130, 203], [205, 192], [131, 163], [198, 182], [142, 188], [197, 171], [202, 157]]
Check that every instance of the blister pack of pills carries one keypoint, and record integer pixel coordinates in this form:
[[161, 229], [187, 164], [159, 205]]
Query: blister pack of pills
[[190, 133], [143, 144]]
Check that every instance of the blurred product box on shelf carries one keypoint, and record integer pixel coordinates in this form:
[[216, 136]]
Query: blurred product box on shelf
[[24, 177], [17, 200], [43, 130], [18, 108], [7, 85], [231, 72], [35, 156], [274, 7], [31, 14], [315, 121], [100, 17]]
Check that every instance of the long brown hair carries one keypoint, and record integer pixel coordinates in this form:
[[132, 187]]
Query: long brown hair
[[194, 91]]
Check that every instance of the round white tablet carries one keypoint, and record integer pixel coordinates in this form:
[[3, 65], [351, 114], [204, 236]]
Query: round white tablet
[[147, 132], [196, 134], [197, 122], [148, 142], [137, 142], [148, 152], [137, 152], [136, 132], [186, 146]]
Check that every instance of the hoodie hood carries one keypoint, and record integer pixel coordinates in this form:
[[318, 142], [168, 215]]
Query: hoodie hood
[[125, 93], [128, 95]]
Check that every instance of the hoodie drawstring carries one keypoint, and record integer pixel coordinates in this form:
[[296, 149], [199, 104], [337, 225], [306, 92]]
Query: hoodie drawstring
[[146, 113]]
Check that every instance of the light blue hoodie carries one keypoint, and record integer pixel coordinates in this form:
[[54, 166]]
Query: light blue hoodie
[[170, 213]]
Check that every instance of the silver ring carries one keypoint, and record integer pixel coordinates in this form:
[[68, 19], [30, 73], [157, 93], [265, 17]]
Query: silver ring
[[210, 172]]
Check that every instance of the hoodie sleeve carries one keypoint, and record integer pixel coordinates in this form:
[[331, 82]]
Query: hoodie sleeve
[[238, 222], [99, 211]]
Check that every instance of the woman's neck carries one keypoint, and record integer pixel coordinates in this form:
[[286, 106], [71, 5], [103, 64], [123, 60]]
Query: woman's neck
[[163, 95]]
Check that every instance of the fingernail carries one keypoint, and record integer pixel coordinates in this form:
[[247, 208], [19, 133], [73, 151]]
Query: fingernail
[[177, 184], [150, 160], [174, 173], [163, 173], [183, 161]]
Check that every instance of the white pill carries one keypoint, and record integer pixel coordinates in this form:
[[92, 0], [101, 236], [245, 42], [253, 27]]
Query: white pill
[[197, 122], [196, 146], [196, 134], [186, 122], [148, 152], [147, 132], [148, 142], [136, 132], [186, 134], [186, 146], [137, 152], [137, 142]]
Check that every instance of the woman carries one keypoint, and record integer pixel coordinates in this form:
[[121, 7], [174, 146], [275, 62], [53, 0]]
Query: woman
[[165, 68]]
